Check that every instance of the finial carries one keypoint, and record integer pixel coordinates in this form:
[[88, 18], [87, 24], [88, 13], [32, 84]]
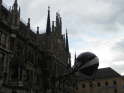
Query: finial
[[75, 55], [48, 8], [53, 28], [15, 5], [29, 20], [66, 34], [67, 45], [37, 29], [48, 28], [16, 2], [66, 31], [28, 24]]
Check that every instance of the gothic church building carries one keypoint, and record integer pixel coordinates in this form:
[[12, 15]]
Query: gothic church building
[[29, 61]]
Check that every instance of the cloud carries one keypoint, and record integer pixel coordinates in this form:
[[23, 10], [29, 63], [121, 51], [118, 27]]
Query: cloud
[[93, 25], [118, 49]]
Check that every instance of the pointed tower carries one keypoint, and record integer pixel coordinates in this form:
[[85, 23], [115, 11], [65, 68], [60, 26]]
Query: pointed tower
[[67, 50], [15, 5], [58, 23], [75, 58], [28, 24], [15, 14], [48, 28], [37, 30], [67, 45]]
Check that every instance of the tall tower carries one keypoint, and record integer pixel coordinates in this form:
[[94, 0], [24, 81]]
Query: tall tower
[[58, 23], [15, 14], [66, 45], [48, 28], [67, 50]]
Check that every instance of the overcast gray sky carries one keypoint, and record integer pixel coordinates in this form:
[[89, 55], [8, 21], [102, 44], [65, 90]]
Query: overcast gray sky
[[93, 25]]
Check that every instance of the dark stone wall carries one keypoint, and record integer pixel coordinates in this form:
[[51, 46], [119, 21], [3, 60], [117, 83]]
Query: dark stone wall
[[29, 62]]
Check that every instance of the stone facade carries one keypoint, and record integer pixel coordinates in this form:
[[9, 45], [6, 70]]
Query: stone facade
[[30, 62], [106, 80]]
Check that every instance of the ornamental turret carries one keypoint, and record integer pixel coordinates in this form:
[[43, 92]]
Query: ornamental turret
[[48, 28], [15, 15]]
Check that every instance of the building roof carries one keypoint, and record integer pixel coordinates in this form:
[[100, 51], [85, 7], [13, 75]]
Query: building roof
[[106, 73], [102, 73]]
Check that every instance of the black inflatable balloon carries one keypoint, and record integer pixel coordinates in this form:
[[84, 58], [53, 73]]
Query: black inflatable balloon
[[87, 63]]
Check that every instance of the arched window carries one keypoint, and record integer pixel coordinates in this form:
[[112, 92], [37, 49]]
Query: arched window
[[83, 85], [114, 82], [98, 84], [91, 85], [106, 83]]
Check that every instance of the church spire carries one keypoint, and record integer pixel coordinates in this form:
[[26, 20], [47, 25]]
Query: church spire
[[28, 24], [15, 6], [15, 14], [58, 23], [57, 20], [37, 30], [48, 28], [67, 45]]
